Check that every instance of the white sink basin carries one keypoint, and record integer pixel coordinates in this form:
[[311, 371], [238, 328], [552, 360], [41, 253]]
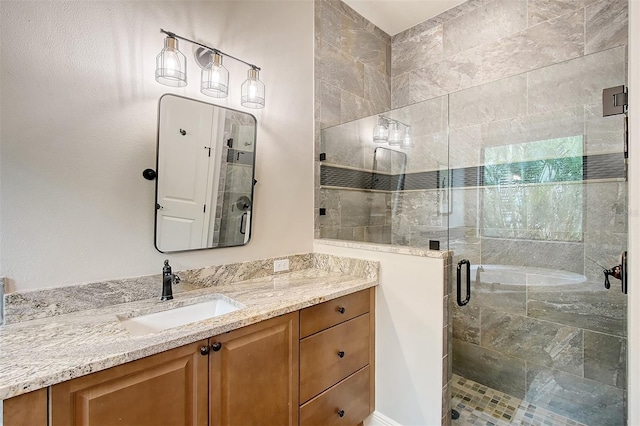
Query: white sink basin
[[152, 323]]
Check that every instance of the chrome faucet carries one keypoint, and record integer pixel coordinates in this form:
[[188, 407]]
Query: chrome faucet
[[168, 279]]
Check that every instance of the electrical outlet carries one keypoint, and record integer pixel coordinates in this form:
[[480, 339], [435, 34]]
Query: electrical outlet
[[280, 265]]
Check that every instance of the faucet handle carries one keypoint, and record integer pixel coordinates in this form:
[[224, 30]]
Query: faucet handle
[[166, 269]]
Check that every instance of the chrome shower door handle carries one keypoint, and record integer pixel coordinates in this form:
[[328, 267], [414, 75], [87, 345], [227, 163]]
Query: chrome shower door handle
[[459, 282]]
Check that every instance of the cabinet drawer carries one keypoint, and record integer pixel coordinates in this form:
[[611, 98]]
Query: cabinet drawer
[[321, 365], [351, 397], [317, 318]]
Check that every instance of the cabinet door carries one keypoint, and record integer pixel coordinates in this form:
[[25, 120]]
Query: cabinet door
[[254, 374], [169, 388], [26, 409]]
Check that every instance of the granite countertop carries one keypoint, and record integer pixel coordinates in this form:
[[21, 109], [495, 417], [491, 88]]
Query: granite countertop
[[41, 352]]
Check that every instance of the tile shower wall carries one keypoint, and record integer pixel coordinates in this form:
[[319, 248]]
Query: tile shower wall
[[483, 41], [352, 81]]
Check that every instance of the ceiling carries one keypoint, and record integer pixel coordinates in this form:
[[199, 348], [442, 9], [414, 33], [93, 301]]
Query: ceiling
[[395, 16]]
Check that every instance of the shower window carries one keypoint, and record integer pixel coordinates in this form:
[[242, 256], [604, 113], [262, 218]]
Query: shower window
[[531, 190]]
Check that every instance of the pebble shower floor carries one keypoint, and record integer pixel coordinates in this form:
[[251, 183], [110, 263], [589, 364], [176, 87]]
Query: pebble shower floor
[[483, 406]]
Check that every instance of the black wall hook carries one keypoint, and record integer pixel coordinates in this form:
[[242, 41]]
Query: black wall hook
[[183, 132], [149, 174]]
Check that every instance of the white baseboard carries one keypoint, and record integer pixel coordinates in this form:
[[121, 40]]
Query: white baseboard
[[378, 419]]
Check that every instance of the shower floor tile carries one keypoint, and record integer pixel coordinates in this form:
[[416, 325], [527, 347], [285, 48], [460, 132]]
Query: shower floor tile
[[483, 406]]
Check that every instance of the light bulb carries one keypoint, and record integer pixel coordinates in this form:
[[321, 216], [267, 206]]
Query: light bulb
[[253, 91], [215, 76], [171, 61], [395, 136], [407, 142]]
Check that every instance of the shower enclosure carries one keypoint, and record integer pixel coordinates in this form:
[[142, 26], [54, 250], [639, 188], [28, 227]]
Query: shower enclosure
[[523, 178]]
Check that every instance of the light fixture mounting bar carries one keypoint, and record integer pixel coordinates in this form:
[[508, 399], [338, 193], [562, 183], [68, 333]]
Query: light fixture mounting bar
[[214, 50]]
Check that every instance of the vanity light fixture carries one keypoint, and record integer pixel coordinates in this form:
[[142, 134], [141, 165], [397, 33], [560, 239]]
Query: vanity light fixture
[[171, 70], [390, 131]]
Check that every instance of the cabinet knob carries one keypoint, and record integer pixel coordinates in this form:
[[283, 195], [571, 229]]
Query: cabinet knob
[[216, 346], [340, 309], [340, 413], [204, 350], [341, 354]]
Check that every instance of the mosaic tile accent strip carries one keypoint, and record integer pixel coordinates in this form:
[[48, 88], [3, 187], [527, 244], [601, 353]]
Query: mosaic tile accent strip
[[598, 166], [481, 405]]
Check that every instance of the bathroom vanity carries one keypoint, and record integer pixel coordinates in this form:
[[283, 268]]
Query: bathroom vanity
[[304, 354]]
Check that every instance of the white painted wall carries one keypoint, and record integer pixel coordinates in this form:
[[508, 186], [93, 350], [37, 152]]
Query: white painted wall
[[79, 115], [409, 334], [634, 216]]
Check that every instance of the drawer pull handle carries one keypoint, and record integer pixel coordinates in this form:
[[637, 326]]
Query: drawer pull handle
[[216, 346], [340, 413], [340, 309], [341, 355]]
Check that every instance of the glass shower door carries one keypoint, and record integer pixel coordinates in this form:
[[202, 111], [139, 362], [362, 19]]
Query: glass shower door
[[539, 177]]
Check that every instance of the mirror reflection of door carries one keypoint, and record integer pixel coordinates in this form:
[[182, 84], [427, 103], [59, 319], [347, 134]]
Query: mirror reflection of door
[[202, 173]]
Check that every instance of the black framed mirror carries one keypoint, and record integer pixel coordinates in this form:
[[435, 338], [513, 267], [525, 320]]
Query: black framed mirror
[[205, 175]]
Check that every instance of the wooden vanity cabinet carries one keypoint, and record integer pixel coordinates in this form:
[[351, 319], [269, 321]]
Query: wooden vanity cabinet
[[169, 388], [309, 367], [337, 360]]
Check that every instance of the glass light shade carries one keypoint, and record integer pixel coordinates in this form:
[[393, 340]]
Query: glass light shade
[[381, 131], [395, 135], [215, 78], [171, 65], [407, 142], [252, 90]]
